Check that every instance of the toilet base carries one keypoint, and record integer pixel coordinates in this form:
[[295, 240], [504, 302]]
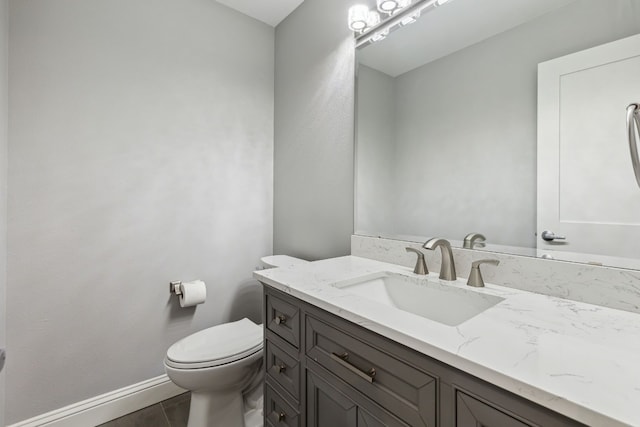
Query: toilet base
[[216, 410]]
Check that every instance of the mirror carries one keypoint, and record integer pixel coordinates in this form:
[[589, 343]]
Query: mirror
[[447, 126]]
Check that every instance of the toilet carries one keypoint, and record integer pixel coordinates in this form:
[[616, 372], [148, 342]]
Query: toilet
[[222, 364], [217, 365]]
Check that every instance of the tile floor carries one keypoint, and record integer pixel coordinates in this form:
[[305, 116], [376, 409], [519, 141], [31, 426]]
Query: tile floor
[[173, 412]]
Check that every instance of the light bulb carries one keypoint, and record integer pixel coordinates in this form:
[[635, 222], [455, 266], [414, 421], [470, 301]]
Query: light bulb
[[401, 5], [387, 6], [358, 16], [373, 19]]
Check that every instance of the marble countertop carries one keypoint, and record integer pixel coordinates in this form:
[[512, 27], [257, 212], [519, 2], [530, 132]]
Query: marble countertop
[[578, 359]]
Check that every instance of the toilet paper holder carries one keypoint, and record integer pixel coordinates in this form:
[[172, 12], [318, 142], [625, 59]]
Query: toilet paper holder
[[175, 287]]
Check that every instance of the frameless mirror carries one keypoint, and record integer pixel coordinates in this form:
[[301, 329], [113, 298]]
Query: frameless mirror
[[449, 128]]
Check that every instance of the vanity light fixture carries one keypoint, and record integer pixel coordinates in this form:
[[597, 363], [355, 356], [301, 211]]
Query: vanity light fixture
[[410, 18], [368, 26], [387, 6], [362, 19], [358, 17]]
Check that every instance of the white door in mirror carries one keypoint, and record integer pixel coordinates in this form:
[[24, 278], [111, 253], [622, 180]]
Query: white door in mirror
[[586, 186]]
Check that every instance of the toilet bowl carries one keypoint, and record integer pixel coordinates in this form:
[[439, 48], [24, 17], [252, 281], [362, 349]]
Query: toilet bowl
[[220, 364], [217, 365]]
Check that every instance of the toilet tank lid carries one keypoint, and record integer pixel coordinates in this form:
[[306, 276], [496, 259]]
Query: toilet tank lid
[[225, 341]]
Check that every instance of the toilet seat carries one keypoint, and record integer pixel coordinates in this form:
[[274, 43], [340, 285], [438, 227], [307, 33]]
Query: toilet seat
[[216, 346]]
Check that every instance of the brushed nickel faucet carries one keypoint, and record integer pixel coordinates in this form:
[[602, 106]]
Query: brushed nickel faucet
[[475, 277], [421, 265], [448, 267], [471, 239]]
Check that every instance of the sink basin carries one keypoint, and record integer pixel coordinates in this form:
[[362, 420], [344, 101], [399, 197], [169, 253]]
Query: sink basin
[[424, 297]]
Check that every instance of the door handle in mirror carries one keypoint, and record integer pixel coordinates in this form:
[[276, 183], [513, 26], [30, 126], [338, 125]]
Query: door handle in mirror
[[550, 236], [633, 121]]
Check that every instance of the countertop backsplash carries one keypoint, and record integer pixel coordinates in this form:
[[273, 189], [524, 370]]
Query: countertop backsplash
[[605, 286]]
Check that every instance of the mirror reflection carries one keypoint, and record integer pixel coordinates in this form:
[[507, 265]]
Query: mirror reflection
[[447, 132]]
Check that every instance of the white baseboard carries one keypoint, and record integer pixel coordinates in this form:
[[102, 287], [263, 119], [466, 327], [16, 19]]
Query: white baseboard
[[109, 406]]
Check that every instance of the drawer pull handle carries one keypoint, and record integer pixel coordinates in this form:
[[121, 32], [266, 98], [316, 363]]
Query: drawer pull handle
[[342, 359], [281, 368], [281, 416], [280, 319]]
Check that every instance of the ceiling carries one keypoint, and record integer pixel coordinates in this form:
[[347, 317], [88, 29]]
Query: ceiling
[[449, 28], [268, 11]]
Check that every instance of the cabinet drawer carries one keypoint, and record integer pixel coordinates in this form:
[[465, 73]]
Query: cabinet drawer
[[398, 387], [331, 403], [277, 412], [471, 412], [283, 318], [284, 369]]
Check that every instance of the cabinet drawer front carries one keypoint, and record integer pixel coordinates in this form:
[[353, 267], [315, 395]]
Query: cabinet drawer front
[[283, 318], [400, 388], [331, 403], [277, 412], [471, 412], [284, 369]]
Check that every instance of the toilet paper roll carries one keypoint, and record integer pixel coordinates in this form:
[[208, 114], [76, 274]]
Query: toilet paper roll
[[193, 293]]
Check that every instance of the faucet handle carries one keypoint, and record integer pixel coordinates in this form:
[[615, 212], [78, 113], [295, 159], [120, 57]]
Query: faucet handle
[[475, 276], [421, 265]]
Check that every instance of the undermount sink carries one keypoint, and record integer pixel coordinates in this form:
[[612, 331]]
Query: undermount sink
[[426, 297]]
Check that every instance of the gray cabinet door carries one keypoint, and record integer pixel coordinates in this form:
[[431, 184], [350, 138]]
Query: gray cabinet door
[[471, 412], [328, 406]]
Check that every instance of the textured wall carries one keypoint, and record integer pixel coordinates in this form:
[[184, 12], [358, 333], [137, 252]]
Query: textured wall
[[313, 178], [141, 142], [375, 165]]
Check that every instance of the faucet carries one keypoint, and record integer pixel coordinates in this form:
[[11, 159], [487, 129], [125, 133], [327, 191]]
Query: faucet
[[475, 277], [471, 238], [447, 267], [421, 265]]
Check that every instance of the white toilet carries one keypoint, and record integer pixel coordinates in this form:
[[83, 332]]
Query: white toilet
[[217, 365]]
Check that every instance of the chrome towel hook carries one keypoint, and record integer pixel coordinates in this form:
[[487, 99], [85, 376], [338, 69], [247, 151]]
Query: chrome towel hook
[[633, 124]]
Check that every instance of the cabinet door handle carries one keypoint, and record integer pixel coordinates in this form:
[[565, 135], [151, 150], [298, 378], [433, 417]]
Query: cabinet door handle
[[281, 416], [280, 319], [281, 368], [342, 360]]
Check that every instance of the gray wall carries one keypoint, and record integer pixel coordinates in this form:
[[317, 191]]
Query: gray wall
[[466, 129], [3, 189], [141, 142], [375, 165], [313, 178]]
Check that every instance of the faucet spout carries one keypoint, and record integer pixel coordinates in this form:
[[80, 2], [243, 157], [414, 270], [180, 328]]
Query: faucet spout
[[447, 267], [471, 239]]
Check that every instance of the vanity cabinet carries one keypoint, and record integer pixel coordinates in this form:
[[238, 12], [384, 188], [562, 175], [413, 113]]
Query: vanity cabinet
[[324, 371]]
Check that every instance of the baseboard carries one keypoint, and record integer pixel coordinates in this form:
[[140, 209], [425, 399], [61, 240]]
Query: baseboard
[[109, 406]]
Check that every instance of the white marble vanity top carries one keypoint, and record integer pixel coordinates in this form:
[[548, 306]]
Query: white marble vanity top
[[577, 359]]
